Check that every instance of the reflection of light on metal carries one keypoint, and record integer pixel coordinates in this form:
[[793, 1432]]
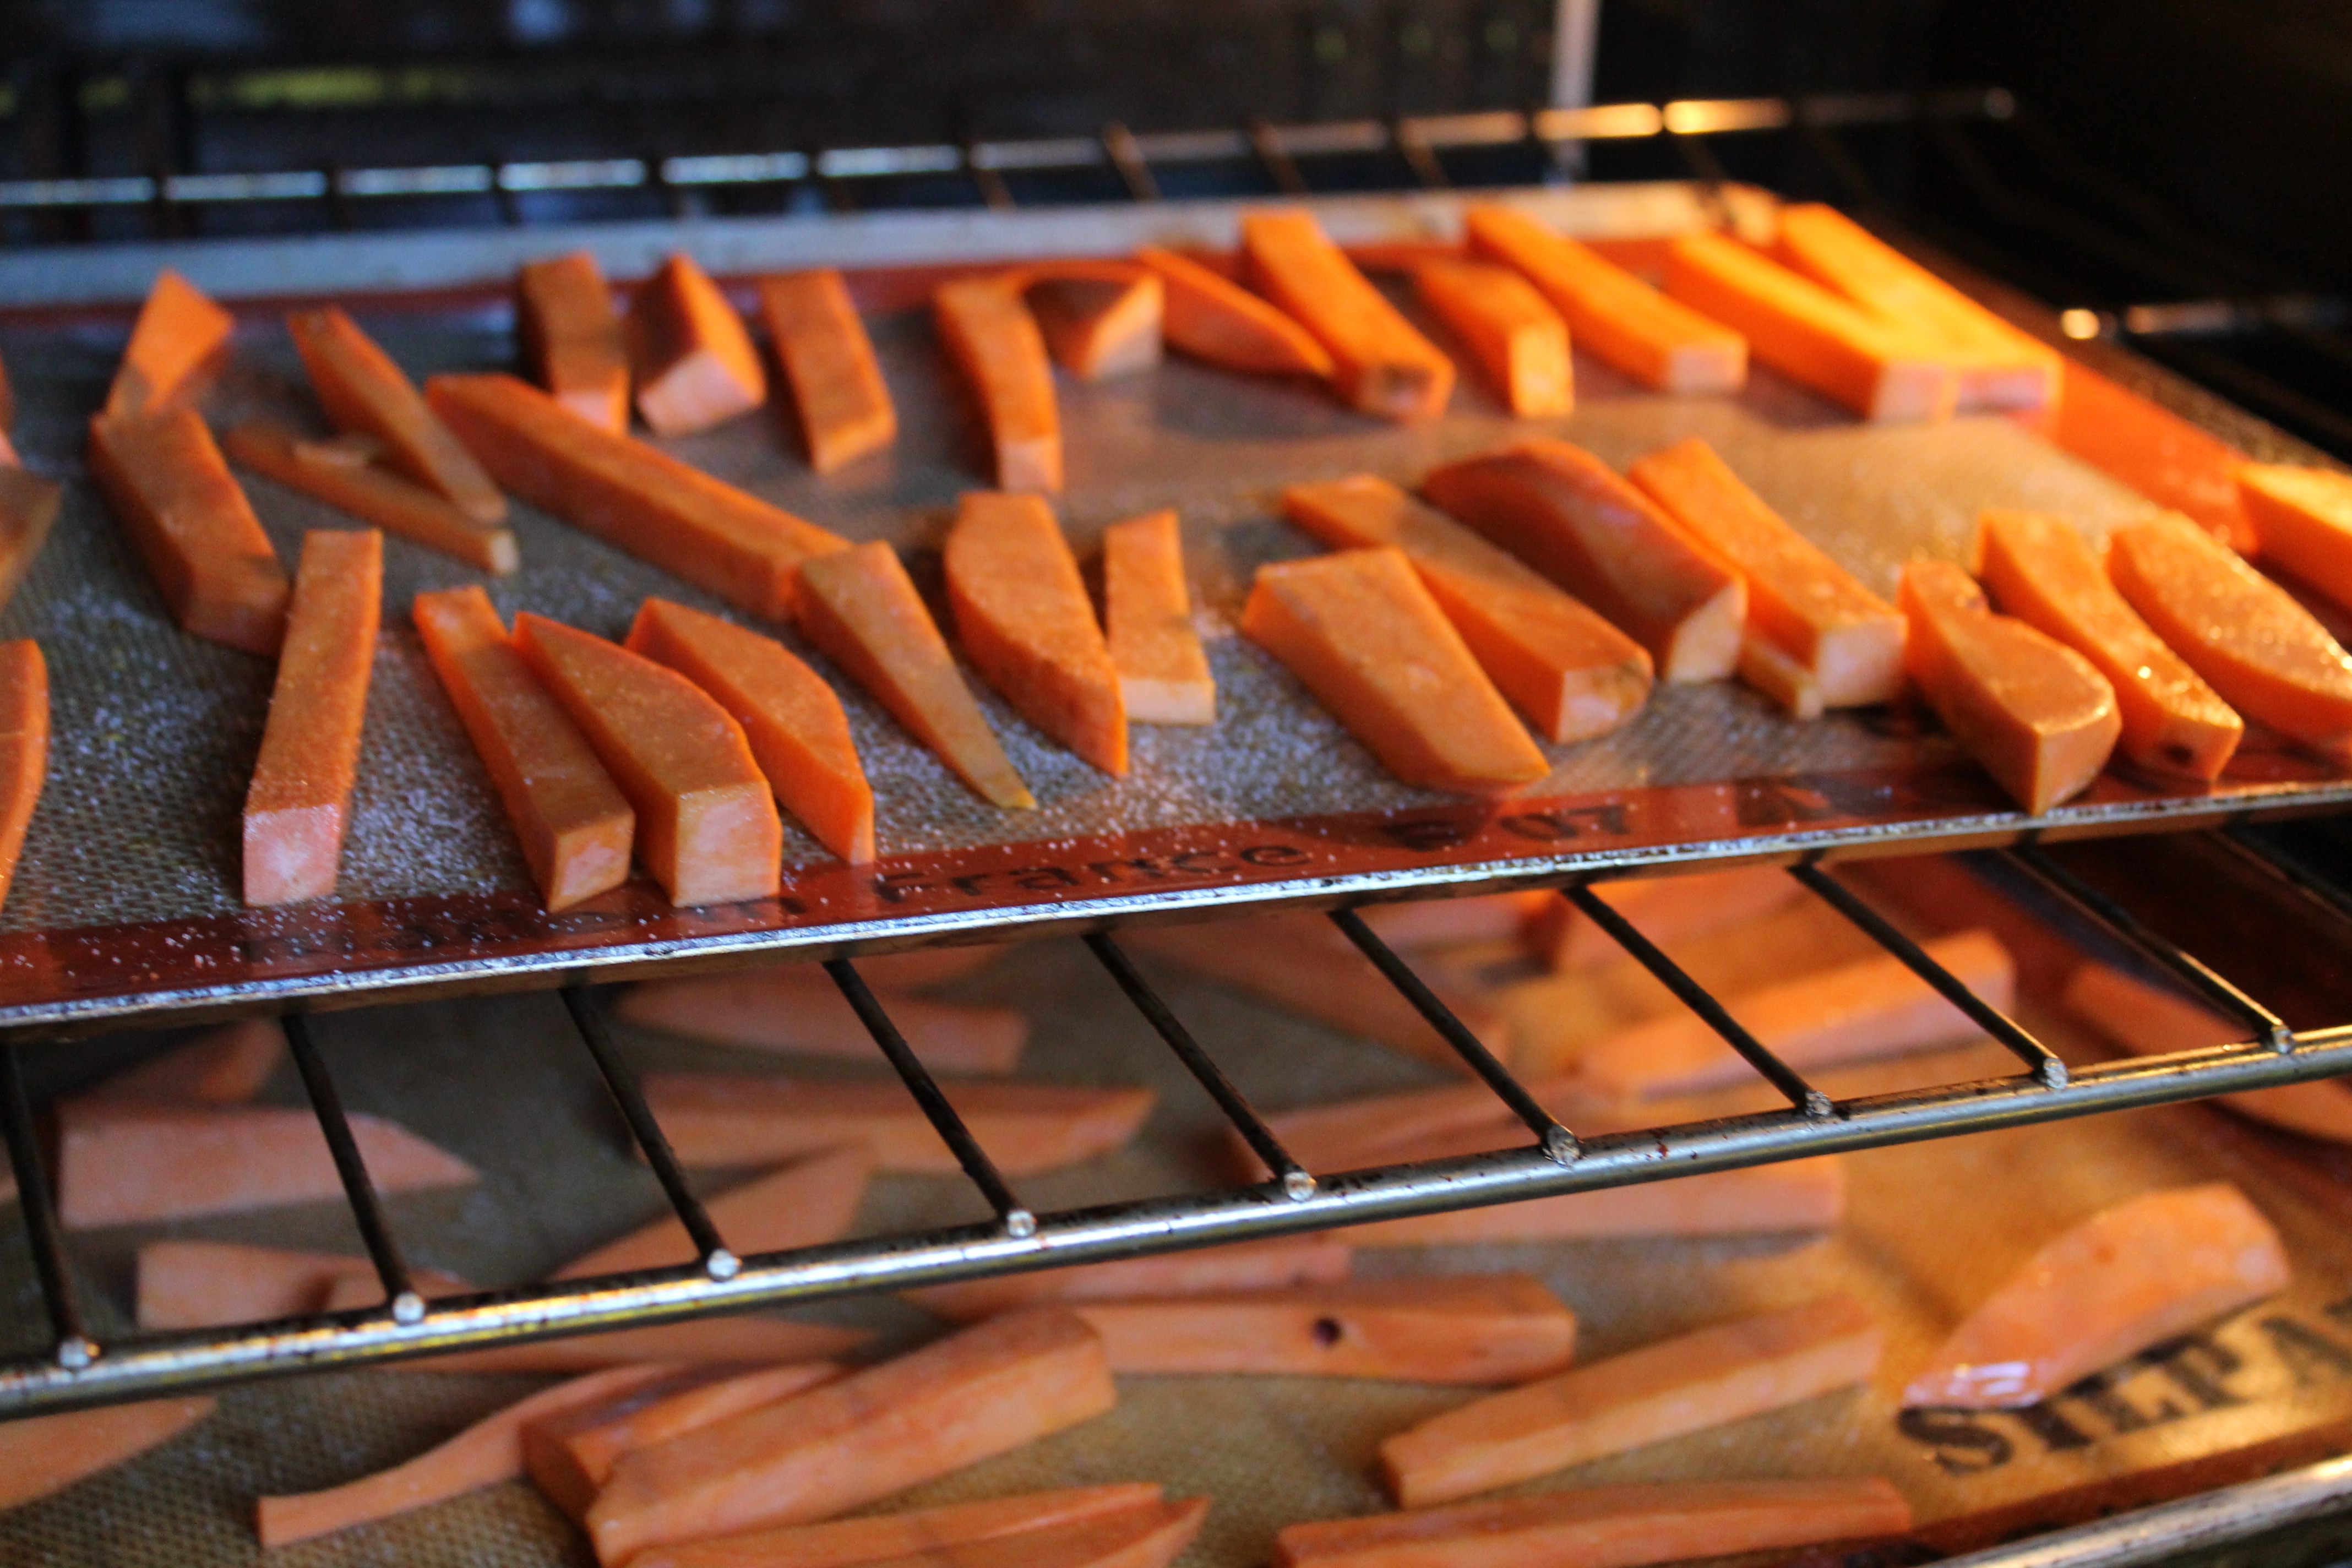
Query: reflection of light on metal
[[2079, 325], [1701, 117]]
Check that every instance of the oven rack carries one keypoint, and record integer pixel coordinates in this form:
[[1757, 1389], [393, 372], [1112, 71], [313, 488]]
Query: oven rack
[[77, 1371]]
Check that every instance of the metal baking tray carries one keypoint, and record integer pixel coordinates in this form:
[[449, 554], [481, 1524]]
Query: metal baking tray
[[125, 906]]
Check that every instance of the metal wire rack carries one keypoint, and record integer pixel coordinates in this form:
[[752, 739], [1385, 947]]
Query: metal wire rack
[[78, 1372]]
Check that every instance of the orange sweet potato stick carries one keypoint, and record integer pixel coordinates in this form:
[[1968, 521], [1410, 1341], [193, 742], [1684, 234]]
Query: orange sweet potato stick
[[1215, 320], [2304, 518], [997, 348], [689, 355], [224, 1065], [2151, 1022], [1802, 1195], [1564, 512], [2039, 569], [1587, 1527], [1572, 674], [1856, 1012], [1163, 674], [570, 338], [298, 803], [122, 1161], [373, 494], [2128, 1278], [574, 824], [2000, 365], [203, 1284], [977, 1394], [1478, 1329], [1026, 1127], [1382, 364], [2265, 654], [28, 509], [1240, 1266], [1610, 312], [1362, 633], [1847, 637], [860, 608], [1370, 1129], [2035, 714], [1686, 1385], [487, 1452], [921, 969], [570, 1454], [1772, 672], [798, 1008], [40, 1454], [707, 822], [733, 1341], [1100, 319], [632, 496], [167, 483], [842, 1543], [1886, 373], [1149, 1537], [1026, 623], [845, 409], [810, 1200], [179, 336], [1667, 910], [2155, 451], [365, 392], [795, 725], [1517, 339], [24, 747], [1481, 918]]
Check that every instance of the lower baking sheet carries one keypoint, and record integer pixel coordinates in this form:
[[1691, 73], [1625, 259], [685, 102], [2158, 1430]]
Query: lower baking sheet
[[1932, 1227]]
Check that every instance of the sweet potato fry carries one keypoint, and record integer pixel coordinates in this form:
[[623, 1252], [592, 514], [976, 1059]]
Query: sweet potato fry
[[1706, 1379], [179, 336], [1519, 340], [28, 509], [484, 1454], [2150, 1021], [1667, 910], [2304, 518], [1770, 671], [860, 608], [203, 1284], [1855, 1012], [24, 747], [1564, 512], [1484, 1329], [1025, 1127], [1023, 612], [923, 968], [733, 1341], [1300, 965], [1148, 1537], [224, 1065], [632, 496], [570, 338], [2039, 569], [373, 494], [2265, 654], [167, 483], [1163, 674], [299, 803], [40, 1454], [123, 1162], [1405, 1124], [808, 1202], [1361, 632], [794, 724], [797, 1008], [1998, 365], [1847, 637], [995, 345], [707, 822], [570, 1454], [362, 391], [845, 409], [880, 1537], [2035, 714], [1100, 319], [1215, 320], [1239, 1266], [1481, 918], [1802, 1195], [2155, 451], [1610, 313], [574, 824], [2127, 1277], [977, 1394], [1381, 363], [1606, 1526], [692, 362], [1571, 673]]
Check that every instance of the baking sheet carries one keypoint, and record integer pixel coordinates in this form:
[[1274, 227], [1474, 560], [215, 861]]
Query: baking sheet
[[1932, 1227], [126, 900]]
